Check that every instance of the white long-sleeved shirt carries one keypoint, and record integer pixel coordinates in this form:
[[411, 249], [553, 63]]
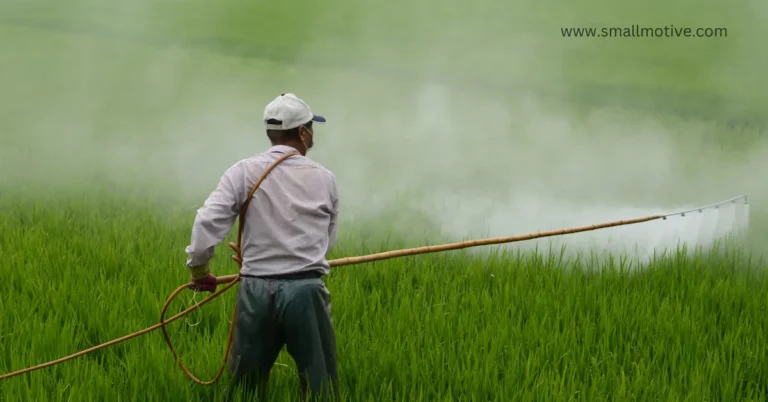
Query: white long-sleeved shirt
[[290, 224]]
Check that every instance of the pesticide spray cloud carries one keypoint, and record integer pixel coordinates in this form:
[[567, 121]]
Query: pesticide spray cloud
[[529, 170]]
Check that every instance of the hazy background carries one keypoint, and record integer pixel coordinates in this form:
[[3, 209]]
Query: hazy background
[[443, 117]]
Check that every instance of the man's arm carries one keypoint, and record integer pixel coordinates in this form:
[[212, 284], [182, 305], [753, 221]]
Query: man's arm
[[213, 221], [334, 216]]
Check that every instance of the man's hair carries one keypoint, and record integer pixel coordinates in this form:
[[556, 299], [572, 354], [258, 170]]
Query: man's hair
[[277, 136]]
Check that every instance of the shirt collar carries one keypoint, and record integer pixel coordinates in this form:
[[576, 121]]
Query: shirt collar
[[282, 149]]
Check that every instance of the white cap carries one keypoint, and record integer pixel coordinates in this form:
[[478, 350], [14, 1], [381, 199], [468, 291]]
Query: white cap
[[291, 111]]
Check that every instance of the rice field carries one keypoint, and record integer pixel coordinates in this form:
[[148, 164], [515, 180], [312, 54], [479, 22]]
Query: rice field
[[444, 123]]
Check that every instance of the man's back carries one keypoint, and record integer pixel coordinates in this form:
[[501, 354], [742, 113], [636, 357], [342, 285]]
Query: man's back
[[290, 224]]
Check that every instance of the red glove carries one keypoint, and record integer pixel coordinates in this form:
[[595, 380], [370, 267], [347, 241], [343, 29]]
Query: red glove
[[206, 284]]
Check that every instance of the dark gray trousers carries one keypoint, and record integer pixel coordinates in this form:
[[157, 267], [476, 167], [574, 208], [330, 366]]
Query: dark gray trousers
[[291, 312]]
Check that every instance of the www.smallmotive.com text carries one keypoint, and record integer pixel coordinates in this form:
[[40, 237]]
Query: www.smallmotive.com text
[[637, 31]]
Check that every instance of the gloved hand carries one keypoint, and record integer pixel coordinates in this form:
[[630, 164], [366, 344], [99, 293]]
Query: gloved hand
[[204, 284]]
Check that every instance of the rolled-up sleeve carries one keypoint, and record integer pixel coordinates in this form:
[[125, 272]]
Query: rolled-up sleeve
[[213, 221]]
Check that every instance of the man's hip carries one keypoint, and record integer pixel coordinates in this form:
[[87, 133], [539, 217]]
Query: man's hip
[[274, 294]]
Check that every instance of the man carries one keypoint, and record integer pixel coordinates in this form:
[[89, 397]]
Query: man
[[289, 228]]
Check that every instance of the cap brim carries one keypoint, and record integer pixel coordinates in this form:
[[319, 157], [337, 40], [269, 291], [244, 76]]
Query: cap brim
[[319, 119]]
